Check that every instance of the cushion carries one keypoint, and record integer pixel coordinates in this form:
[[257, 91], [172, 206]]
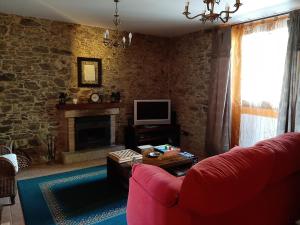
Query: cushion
[[286, 150], [13, 159], [223, 182]]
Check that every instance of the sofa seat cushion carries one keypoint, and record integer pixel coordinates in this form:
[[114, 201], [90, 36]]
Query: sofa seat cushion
[[13, 159], [159, 184], [221, 183]]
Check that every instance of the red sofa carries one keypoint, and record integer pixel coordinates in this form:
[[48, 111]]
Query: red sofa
[[259, 185]]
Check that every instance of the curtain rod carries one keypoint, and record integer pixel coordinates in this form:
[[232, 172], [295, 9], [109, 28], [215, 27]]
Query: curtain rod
[[264, 18]]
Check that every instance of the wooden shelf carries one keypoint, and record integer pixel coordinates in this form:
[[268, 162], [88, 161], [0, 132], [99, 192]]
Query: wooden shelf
[[151, 139], [83, 106], [153, 135], [146, 129]]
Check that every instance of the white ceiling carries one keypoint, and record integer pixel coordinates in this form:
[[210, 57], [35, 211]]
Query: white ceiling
[[156, 17]]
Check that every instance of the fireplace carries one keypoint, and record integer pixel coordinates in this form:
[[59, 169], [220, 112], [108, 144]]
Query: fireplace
[[90, 128], [87, 131], [92, 132]]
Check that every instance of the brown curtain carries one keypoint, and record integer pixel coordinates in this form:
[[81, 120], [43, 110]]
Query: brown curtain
[[289, 111], [236, 41], [217, 132]]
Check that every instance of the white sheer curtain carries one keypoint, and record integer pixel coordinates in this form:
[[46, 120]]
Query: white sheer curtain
[[263, 51]]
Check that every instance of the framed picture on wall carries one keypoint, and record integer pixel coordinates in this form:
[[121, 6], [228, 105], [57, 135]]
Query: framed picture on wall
[[89, 72]]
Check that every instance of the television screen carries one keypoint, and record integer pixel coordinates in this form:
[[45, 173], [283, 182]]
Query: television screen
[[151, 112]]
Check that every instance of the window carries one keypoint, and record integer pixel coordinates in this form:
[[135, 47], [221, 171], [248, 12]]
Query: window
[[258, 80]]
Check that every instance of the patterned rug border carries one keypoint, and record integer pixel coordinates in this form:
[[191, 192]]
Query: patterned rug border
[[57, 212], [46, 189]]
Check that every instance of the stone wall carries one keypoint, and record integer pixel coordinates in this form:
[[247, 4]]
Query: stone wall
[[38, 60], [189, 75]]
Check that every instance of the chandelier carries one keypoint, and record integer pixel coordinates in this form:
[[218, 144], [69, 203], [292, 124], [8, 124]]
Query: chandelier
[[209, 13], [116, 40]]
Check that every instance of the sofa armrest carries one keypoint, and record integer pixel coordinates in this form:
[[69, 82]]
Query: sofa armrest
[[158, 183], [13, 160], [7, 169]]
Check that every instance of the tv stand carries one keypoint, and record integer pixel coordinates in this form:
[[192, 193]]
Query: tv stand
[[151, 126], [152, 135]]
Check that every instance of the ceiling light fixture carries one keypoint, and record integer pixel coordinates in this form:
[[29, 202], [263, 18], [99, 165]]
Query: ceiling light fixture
[[117, 40], [209, 13]]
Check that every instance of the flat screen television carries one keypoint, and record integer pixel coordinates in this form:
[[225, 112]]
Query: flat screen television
[[152, 112]]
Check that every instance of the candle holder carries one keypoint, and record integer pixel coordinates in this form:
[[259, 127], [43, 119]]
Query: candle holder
[[117, 40], [209, 13]]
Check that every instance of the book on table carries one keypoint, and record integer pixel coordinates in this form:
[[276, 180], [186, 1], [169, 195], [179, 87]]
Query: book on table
[[144, 148], [167, 149]]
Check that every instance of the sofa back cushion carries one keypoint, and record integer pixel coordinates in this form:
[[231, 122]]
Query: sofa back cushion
[[286, 150], [221, 183]]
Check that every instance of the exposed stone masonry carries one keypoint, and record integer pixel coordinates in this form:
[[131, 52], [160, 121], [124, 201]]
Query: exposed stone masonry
[[190, 57], [38, 59]]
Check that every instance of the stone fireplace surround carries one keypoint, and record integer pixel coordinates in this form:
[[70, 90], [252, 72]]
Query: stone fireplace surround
[[66, 136]]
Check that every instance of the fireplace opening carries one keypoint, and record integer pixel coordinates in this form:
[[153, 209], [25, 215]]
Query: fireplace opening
[[92, 132]]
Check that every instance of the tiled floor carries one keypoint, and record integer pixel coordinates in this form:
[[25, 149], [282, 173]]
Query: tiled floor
[[12, 215]]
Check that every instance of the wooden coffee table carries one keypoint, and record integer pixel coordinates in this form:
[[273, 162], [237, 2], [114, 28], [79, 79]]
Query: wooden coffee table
[[119, 173]]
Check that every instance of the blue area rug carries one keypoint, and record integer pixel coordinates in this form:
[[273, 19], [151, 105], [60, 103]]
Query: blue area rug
[[80, 197]]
